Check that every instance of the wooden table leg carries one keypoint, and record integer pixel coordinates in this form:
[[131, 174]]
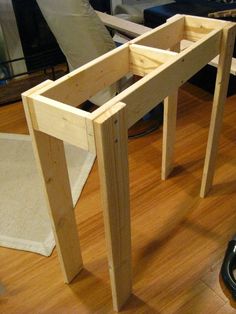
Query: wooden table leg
[[221, 87], [112, 153], [50, 157], [169, 129]]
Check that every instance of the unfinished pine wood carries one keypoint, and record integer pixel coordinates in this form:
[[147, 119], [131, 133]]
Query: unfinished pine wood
[[164, 36], [63, 122], [111, 132], [140, 97], [125, 27], [224, 13], [176, 240], [221, 87], [144, 59], [169, 129], [112, 153], [197, 27], [73, 88], [50, 157], [134, 30], [214, 62]]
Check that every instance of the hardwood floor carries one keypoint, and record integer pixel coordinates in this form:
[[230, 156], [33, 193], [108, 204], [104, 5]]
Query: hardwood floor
[[178, 239]]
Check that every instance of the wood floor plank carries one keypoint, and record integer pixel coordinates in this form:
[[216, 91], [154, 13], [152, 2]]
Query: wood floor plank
[[13, 119], [199, 299], [226, 309], [213, 280]]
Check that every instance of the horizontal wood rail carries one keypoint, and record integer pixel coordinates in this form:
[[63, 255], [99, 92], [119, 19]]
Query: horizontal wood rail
[[133, 30], [84, 82], [64, 122], [196, 27], [140, 98]]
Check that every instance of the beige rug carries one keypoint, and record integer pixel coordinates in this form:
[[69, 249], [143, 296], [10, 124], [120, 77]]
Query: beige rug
[[24, 220]]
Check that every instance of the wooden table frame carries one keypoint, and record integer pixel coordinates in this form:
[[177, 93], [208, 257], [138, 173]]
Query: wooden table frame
[[52, 118]]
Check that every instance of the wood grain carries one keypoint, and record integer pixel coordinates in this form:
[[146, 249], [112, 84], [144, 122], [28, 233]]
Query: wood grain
[[220, 94], [63, 122], [169, 126], [140, 97], [84, 82], [144, 59], [134, 30], [177, 238], [112, 153], [169, 129], [49, 154]]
